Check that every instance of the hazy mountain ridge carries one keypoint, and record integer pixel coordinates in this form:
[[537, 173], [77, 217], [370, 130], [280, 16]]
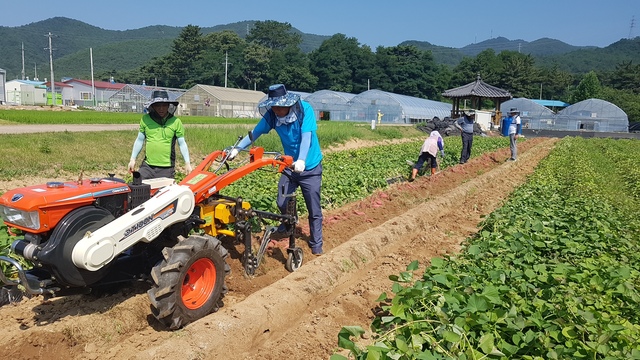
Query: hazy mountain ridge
[[129, 49]]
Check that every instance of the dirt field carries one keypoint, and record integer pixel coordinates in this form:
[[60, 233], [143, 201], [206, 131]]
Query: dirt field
[[277, 314]]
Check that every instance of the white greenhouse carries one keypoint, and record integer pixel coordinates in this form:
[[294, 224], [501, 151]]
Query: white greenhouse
[[393, 108], [533, 115], [593, 115]]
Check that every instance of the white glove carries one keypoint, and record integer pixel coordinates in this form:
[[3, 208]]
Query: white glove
[[132, 165], [187, 168], [233, 154], [298, 166]]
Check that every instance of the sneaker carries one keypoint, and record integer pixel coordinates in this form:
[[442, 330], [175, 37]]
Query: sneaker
[[316, 252]]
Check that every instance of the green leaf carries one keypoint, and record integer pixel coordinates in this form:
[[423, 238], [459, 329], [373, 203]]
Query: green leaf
[[382, 297], [437, 262], [476, 304], [486, 343], [492, 294], [450, 336], [344, 337], [413, 266]]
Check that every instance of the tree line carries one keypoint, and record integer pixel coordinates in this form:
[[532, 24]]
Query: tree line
[[270, 53]]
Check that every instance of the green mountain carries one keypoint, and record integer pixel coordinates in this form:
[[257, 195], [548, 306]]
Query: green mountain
[[129, 49]]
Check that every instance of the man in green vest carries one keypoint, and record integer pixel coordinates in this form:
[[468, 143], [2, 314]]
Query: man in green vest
[[159, 132]]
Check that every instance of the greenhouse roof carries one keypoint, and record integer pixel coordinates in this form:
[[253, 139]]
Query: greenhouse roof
[[145, 91], [342, 97], [527, 107], [412, 107], [596, 109], [232, 94]]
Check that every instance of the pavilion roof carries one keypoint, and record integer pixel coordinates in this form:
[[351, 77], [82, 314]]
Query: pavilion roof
[[477, 88]]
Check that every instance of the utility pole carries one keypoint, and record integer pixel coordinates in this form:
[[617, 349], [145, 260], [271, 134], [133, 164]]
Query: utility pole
[[226, 67], [93, 83], [51, 80], [23, 61], [633, 24]]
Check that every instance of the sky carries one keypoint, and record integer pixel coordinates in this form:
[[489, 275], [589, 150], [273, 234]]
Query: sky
[[372, 22]]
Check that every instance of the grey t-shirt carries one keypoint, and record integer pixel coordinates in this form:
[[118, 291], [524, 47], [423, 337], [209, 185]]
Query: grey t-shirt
[[466, 124]]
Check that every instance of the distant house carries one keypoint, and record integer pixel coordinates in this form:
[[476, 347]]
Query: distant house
[[132, 98], [26, 92], [81, 92], [216, 101], [61, 89]]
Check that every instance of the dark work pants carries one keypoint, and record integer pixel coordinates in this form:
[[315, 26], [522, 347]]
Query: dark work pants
[[151, 172], [310, 182], [467, 142], [424, 157]]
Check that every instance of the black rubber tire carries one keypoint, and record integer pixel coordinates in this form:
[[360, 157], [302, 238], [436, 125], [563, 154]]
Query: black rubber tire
[[170, 274], [293, 265]]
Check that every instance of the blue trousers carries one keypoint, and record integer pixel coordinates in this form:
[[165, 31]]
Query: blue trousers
[[310, 182], [467, 143]]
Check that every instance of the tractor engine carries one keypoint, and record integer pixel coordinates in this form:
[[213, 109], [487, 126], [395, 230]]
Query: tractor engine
[[53, 218]]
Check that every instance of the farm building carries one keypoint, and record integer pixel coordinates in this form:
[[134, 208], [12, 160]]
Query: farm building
[[386, 107], [132, 98], [3, 80], [331, 105], [81, 92], [532, 114], [593, 115], [208, 100], [26, 92], [61, 90]]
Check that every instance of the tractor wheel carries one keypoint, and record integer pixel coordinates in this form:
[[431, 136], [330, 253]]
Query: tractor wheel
[[294, 260], [189, 282]]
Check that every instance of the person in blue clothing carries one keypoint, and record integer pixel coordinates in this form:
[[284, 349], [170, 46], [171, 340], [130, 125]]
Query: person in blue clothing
[[294, 121], [465, 124]]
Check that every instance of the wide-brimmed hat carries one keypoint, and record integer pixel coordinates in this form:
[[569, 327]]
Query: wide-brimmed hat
[[160, 96], [279, 96], [514, 110]]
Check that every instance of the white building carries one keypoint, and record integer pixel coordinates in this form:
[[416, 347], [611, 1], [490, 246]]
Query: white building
[[26, 92], [81, 92]]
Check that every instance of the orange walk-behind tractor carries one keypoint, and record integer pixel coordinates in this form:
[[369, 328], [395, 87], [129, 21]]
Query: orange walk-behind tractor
[[92, 232]]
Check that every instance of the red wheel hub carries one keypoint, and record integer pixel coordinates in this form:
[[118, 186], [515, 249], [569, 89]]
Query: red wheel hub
[[198, 284]]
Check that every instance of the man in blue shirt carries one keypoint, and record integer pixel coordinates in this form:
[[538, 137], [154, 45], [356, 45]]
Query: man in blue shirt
[[465, 125], [295, 123]]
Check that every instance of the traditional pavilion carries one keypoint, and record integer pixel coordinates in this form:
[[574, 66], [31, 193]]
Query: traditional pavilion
[[475, 92]]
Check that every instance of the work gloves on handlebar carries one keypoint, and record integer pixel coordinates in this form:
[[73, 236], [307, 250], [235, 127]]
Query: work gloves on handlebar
[[298, 166], [233, 154], [132, 165]]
